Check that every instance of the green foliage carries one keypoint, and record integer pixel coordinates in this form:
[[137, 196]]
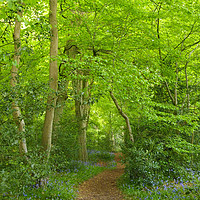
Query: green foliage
[[21, 173], [96, 156], [151, 161], [140, 166], [166, 190], [65, 138], [60, 185]]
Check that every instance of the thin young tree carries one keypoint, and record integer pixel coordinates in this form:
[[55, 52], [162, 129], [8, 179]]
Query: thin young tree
[[14, 74]]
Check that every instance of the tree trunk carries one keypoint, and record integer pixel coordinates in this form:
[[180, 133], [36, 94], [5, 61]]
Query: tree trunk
[[14, 73], [62, 97], [124, 116], [53, 79], [111, 133], [187, 88], [82, 94], [71, 51], [176, 86], [82, 108]]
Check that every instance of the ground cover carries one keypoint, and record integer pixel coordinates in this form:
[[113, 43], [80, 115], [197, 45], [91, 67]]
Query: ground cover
[[186, 187], [98, 179], [62, 183]]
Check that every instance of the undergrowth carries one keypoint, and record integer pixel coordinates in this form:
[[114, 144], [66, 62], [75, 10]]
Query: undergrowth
[[159, 174], [62, 183]]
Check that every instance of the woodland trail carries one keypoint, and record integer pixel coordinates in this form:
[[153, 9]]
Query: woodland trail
[[104, 185]]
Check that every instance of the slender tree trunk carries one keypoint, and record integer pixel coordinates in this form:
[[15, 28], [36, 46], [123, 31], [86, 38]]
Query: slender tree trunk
[[53, 79], [169, 92], [111, 133], [124, 116], [187, 88], [14, 73], [175, 90]]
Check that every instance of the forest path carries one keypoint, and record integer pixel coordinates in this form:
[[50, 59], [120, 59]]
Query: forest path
[[104, 185]]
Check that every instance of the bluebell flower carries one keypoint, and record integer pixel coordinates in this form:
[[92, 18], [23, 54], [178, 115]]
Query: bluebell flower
[[24, 194]]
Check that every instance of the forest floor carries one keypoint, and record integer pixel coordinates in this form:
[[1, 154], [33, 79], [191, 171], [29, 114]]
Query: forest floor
[[104, 185]]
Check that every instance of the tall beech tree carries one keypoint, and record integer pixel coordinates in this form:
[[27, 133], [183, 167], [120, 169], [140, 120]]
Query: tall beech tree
[[82, 108], [70, 50], [81, 88], [14, 75], [53, 79]]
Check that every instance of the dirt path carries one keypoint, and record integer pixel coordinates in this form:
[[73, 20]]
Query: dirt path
[[103, 186]]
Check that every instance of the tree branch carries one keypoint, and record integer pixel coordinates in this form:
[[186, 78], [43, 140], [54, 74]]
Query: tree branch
[[185, 37], [184, 41], [191, 45]]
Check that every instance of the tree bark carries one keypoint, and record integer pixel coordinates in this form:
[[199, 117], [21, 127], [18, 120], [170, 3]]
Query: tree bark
[[14, 73], [176, 86], [60, 104], [82, 108], [123, 115], [71, 51], [82, 93], [187, 88], [53, 79], [111, 133], [169, 92]]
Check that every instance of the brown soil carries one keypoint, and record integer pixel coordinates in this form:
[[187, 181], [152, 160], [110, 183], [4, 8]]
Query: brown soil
[[103, 186]]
